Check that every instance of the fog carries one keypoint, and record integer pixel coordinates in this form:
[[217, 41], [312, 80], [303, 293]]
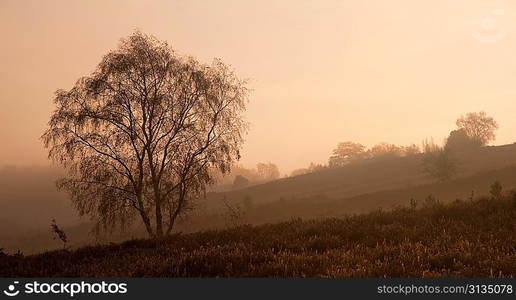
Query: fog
[[380, 141], [322, 72]]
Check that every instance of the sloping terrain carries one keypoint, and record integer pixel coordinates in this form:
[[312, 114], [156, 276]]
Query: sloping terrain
[[321, 206], [366, 177], [464, 238], [29, 200]]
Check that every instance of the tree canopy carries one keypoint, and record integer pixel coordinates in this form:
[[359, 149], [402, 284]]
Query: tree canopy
[[478, 126], [345, 153], [141, 134]]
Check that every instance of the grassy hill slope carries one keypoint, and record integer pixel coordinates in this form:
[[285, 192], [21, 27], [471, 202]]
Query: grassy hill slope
[[29, 200], [321, 206], [464, 238], [318, 206], [369, 176]]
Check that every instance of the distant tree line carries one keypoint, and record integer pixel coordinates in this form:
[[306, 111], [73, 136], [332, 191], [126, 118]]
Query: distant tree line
[[241, 177], [312, 168], [474, 130], [349, 152]]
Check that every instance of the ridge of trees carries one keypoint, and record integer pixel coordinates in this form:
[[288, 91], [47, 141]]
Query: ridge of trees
[[441, 162]]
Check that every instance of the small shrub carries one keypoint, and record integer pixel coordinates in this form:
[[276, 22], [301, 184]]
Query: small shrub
[[440, 164], [431, 201], [496, 190], [59, 233], [18, 254], [234, 215], [240, 182], [413, 203]]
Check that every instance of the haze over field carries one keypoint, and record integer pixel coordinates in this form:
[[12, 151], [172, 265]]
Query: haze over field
[[321, 71]]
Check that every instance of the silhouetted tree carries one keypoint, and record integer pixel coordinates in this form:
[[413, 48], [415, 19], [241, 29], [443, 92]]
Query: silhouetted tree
[[431, 201], [440, 164], [459, 141], [385, 150], [268, 171], [430, 146], [58, 233], [478, 126], [313, 167], [240, 182], [345, 153], [234, 214], [298, 172], [140, 135], [496, 190], [413, 203], [411, 150], [237, 169]]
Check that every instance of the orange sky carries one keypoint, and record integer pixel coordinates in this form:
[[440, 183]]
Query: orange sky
[[322, 71]]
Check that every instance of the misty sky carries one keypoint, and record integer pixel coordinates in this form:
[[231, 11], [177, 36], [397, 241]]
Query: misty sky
[[322, 71]]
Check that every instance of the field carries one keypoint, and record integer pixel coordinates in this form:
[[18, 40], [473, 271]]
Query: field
[[466, 238], [335, 192]]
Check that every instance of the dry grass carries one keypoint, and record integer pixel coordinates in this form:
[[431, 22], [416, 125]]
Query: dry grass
[[464, 238]]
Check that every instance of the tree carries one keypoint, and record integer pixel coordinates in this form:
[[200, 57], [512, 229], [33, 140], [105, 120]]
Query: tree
[[440, 164], [314, 167], [496, 190], [411, 150], [141, 135], [59, 233], [478, 126], [429, 146], [240, 182], [299, 172], [268, 171], [345, 153], [236, 170], [385, 150], [459, 141]]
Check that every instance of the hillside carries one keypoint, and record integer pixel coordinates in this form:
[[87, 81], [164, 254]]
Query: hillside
[[33, 235], [366, 177], [465, 238], [29, 199], [321, 206]]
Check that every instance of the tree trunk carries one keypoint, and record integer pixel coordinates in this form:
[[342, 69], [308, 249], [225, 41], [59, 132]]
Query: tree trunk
[[145, 217], [159, 219], [173, 215], [147, 223]]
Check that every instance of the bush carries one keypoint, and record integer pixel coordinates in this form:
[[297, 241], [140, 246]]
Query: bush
[[240, 182], [440, 164], [496, 190], [59, 233], [431, 201]]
